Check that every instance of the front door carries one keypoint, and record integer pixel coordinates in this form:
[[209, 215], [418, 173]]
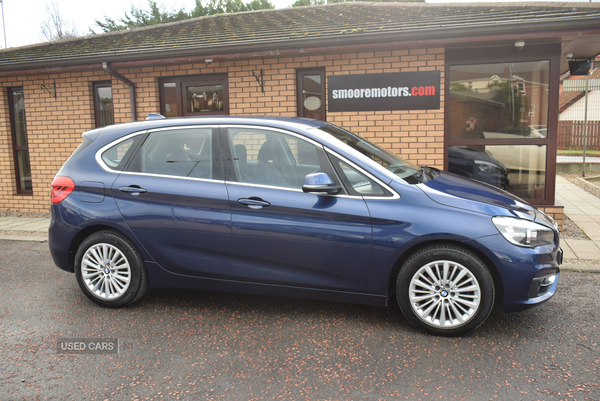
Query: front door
[[281, 235]]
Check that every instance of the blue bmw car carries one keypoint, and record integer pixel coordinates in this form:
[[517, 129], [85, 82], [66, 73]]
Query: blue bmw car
[[293, 207]]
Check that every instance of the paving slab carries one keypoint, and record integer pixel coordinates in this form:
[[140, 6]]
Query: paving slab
[[584, 249], [22, 238], [567, 251]]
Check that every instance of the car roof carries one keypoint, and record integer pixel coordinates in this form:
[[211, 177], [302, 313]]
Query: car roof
[[112, 132]]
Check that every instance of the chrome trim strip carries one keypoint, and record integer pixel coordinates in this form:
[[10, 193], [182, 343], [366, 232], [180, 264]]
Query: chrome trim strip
[[283, 131], [168, 176]]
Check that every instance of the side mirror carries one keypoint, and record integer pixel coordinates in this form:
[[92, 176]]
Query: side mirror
[[320, 182]]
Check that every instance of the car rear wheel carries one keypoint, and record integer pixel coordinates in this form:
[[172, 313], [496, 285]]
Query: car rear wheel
[[110, 270], [445, 290]]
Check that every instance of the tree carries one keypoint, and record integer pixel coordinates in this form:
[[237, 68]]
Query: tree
[[157, 14], [54, 27]]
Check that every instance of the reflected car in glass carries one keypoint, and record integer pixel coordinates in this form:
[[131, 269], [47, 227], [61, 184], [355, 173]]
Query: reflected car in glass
[[298, 208], [479, 166], [517, 156]]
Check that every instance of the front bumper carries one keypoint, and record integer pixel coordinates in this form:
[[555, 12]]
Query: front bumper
[[529, 276]]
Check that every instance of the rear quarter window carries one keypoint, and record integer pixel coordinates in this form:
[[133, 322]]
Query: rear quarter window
[[116, 156]]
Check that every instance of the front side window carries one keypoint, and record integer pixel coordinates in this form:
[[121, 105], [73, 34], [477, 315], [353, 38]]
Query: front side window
[[179, 152], [265, 157], [103, 104], [194, 95], [497, 122], [20, 141]]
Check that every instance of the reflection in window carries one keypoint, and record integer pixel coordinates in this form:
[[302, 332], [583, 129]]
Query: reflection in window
[[355, 181], [194, 95], [204, 98], [270, 158], [492, 109], [20, 142], [180, 153], [504, 100], [520, 169], [103, 102], [170, 99], [115, 154]]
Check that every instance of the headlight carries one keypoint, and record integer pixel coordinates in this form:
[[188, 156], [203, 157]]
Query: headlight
[[524, 232], [486, 167]]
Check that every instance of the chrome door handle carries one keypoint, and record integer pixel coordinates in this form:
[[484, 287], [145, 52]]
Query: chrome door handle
[[133, 190], [253, 203]]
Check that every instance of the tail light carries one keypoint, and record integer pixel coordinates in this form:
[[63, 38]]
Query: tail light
[[61, 188]]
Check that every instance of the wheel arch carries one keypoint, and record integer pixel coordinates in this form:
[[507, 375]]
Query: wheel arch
[[499, 287], [85, 233]]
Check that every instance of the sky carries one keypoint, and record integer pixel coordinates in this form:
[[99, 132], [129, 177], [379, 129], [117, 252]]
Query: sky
[[23, 18]]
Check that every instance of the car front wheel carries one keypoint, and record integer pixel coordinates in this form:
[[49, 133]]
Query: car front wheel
[[110, 270], [445, 290]]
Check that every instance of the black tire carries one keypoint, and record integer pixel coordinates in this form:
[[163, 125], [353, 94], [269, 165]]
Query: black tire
[[450, 305], [110, 269]]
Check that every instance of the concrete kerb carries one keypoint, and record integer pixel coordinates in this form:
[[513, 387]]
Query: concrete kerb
[[591, 267]]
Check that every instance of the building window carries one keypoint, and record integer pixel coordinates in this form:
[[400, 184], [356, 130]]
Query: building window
[[194, 95], [20, 143], [311, 93], [497, 124], [103, 103]]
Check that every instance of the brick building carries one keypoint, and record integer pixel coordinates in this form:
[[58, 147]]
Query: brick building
[[496, 64]]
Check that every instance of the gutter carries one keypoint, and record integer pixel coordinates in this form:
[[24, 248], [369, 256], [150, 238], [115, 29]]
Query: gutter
[[106, 67]]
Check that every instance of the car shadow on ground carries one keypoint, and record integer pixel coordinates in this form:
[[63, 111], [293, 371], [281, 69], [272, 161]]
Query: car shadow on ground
[[218, 306]]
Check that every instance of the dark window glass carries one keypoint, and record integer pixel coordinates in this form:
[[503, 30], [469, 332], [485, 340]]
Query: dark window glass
[[311, 93], [169, 96], [194, 95], [179, 152], [103, 103], [270, 158], [20, 142]]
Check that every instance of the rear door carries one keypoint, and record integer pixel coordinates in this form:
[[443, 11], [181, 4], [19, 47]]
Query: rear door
[[173, 197]]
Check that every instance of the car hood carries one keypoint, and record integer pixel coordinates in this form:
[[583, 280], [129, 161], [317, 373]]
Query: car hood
[[460, 192]]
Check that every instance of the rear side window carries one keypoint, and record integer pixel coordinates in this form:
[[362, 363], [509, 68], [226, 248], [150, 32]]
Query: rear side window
[[186, 152], [116, 156]]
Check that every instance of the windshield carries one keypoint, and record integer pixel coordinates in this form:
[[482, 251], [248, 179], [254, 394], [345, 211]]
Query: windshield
[[409, 172]]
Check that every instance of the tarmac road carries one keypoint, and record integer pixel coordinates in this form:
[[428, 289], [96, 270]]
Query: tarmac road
[[177, 344]]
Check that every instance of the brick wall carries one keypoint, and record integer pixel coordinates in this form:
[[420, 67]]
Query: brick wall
[[54, 128], [55, 125]]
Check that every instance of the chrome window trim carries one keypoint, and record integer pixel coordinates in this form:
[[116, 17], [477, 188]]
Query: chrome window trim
[[99, 160], [150, 131], [281, 130], [168, 176]]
